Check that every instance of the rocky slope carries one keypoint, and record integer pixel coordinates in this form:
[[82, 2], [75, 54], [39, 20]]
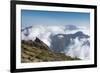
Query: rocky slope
[[38, 51]]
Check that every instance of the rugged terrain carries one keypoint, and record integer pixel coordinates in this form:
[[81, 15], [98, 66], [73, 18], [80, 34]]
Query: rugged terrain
[[38, 51]]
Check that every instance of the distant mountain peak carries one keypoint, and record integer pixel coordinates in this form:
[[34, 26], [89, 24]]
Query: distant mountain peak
[[79, 33], [71, 27]]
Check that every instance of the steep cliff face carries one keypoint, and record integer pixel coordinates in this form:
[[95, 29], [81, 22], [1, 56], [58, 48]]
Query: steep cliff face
[[38, 51]]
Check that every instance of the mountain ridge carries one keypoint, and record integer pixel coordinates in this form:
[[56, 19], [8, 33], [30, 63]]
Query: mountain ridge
[[59, 44], [38, 51]]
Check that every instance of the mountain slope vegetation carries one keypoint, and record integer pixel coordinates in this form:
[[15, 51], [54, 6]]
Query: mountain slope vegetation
[[38, 51]]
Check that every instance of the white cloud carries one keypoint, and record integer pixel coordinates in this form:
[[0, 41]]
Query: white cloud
[[77, 50], [44, 33]]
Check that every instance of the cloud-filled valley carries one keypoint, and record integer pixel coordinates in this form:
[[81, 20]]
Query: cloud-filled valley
[[69, 39]]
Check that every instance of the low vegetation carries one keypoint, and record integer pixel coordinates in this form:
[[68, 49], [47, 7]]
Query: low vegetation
[[37, 51]]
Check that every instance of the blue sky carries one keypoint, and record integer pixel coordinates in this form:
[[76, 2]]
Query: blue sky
[[33, 17]]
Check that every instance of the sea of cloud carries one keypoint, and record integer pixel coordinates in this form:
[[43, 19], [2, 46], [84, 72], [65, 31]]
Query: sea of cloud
[[44, 33]]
